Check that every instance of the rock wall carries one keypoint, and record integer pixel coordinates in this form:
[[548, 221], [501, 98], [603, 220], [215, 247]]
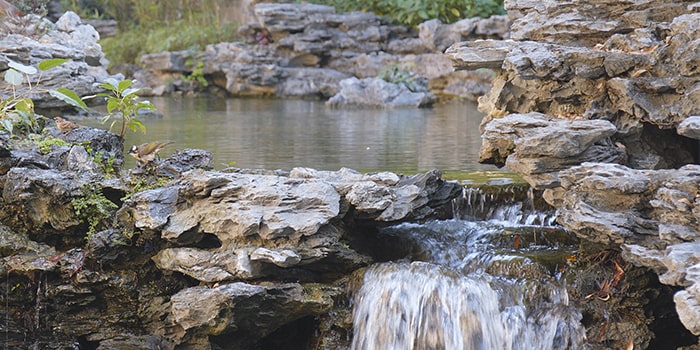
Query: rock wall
[[305, 50], [596, 102]]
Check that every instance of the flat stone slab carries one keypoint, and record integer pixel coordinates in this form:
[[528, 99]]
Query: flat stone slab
[[469, 55]]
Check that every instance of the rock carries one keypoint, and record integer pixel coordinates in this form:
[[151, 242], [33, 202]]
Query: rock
[[479, 54], [690, 127], [228, 226], [377, 92], [170, 61], [244, 313], [282, 258], [535, 135], [688, 308], [305, 50], [181, 161], [584, 23], [310, 82], [68, 38]]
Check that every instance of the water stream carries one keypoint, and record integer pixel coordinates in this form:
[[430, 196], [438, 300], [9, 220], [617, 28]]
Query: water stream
[[472, 283]]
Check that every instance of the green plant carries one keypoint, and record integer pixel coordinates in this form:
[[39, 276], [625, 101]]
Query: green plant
[[106, 163], [413, 12], [123, 103], [16, 108], [38, 7], [197, 74], [133, 42], [144, 183], [94, 208], [397, 75], [45, 145]]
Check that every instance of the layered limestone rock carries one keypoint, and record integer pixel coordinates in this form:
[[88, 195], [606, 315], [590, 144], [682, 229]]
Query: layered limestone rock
[[306, 50], [597, 103]]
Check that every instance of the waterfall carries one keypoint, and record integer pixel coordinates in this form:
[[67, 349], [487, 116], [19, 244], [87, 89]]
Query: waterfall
[[472, 284], [424, 306]]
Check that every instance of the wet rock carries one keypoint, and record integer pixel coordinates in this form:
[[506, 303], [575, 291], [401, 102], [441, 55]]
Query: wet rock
[[45, 196], [377, 92]]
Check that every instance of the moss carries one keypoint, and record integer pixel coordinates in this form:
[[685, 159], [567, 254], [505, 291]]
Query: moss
[[47, 144], [93, 208]]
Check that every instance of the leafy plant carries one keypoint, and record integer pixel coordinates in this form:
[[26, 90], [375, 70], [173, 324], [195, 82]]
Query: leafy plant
[[123, 104], [17, 109], [197, 74], [94, 208]]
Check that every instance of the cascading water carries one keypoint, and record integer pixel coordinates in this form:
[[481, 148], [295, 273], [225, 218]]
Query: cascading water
[[471, 285]]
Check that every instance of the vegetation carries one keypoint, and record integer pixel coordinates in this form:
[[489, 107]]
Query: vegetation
[[123, 103], [17, 110], [38, 7], [47, 144], [413, 12], [156, 26], [94, 208], [397, 75]]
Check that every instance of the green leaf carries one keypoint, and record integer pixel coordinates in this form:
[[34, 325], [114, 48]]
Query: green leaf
[[455, 12], [112, 104], [68, 96], [14, 77], [7, 125], [110, 84], [123, 85], [29, 70], [25, 105], [51, 63], [129, 92], [135, 124]]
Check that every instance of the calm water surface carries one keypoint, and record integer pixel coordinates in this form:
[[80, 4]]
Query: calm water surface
[[282, 134]]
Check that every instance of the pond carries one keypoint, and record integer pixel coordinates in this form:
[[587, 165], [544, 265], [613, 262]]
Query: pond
[[282, 134]]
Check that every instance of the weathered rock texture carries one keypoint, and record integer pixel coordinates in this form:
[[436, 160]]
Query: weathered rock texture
[[597, 102], [306, 50], [30, 40], [203, 259]]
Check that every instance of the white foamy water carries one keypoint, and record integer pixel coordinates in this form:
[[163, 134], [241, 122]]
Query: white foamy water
[[468, 292], [424, 306]]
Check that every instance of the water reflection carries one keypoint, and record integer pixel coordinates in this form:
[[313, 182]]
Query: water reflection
[[282, 134]]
